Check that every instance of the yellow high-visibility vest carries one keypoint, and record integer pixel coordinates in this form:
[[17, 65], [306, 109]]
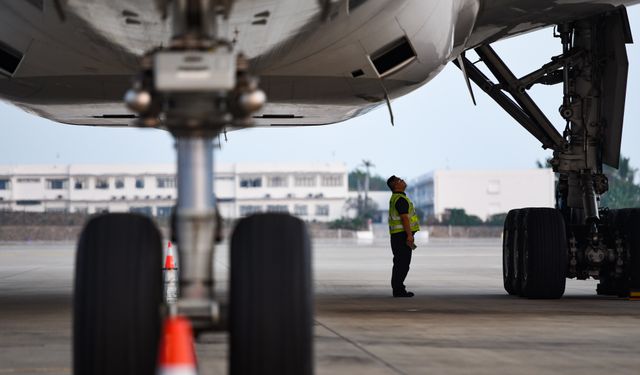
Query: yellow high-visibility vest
[[395, 223]]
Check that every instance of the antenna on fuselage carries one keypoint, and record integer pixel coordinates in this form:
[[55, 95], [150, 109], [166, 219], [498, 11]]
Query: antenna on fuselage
[[463, 69]]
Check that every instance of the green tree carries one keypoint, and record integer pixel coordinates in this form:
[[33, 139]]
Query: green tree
[[357, 204], [546, 164], [496, 219], [376, 182], [458, 216], [623, 191], [346, 223]]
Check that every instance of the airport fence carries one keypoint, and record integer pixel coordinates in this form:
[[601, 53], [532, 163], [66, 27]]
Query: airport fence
[[62, 226]]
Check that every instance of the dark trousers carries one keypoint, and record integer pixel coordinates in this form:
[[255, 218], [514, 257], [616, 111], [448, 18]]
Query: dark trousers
[[401, 261]]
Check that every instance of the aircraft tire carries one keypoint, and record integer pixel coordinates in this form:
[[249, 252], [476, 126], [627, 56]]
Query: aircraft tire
[[508, 250], [544, 253], [271, 308], [628, 223], [117, 296], [518, 245]]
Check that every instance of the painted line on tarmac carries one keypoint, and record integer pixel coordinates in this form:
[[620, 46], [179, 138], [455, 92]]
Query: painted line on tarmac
[[358, 346], [42, 370], [3, 277]]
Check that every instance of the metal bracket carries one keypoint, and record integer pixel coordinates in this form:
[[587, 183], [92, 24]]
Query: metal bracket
[[204, 315], [195, 71], [523, 109]]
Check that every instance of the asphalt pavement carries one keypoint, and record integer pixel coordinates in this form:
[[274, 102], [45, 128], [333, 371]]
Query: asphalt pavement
[[460, 321]]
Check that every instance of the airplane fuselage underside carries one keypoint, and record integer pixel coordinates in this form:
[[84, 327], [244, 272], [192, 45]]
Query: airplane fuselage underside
[[319, 62]]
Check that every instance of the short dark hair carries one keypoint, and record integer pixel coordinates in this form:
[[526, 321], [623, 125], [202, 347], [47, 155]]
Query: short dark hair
[[392, 180]]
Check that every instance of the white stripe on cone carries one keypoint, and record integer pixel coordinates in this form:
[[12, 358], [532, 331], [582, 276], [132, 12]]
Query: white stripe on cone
[[177, 370]]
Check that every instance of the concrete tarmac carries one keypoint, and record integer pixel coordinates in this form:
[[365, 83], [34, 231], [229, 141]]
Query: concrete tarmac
[[460, 322]]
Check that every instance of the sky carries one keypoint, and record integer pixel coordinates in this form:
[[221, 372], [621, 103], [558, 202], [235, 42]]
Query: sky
[[436, 127]]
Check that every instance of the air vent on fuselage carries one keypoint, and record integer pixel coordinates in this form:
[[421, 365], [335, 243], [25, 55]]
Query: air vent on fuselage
[[353, 4], [261, 18], [116, 116], [391, 58], [357, 73], [271, 116], [37, 3], [9, 58]]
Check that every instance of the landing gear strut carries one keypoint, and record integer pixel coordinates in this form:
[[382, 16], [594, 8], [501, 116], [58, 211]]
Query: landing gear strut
[[196, 88], [596, 242]]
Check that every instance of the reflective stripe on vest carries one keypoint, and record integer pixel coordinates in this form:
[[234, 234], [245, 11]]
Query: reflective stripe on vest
[[395, 222]]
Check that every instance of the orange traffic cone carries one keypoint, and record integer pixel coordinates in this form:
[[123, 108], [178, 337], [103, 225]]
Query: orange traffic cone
[[177, 355], [170, 278], [168, 261]]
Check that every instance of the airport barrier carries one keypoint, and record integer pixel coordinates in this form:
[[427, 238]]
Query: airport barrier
[[55, 226]]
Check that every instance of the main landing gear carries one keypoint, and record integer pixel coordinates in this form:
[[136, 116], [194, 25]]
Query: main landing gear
[[577, 239], [194, 88]]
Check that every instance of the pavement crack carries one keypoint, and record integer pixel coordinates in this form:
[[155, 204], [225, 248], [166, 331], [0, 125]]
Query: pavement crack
[[361, 348]]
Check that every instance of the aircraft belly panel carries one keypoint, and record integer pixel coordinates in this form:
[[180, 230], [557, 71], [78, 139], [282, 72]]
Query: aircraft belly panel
[[93, 68], [498, 19], [303, 58]]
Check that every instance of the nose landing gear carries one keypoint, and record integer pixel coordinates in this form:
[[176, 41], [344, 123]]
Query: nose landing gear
[[196, 88]]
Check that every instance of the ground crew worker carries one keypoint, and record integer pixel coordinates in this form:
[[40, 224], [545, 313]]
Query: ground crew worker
[[403, 224]]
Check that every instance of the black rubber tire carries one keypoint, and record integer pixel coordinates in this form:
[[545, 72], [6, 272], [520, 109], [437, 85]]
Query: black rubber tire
[[518, 245], [508, 249], [628, 222], [544, 253], [117, 297], [271, 304]]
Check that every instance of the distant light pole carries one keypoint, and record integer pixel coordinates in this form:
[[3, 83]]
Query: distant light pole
[[367, 164]]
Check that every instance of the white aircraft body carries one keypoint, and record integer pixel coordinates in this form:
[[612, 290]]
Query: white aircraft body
[[199, 67]]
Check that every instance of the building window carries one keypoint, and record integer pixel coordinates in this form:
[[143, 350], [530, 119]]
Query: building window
[[277, 181], [5, 184], [300, 210], [332, 180], [28, 180], [278, 208], [251, 182], [81, 210], [102, 183], [164, 211], [139, 182], [56, 184], [322, 210], [55, 209], [144, 210], [28, 202], [119, 183], [305, 180], [166, 182], [493, 187], [248, 210], [80, 184]]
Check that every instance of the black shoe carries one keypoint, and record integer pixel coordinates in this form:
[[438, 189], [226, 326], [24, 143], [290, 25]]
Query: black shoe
[[403, 294]]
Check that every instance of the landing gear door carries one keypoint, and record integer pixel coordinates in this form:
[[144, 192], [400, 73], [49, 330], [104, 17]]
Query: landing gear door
[[616, 34]]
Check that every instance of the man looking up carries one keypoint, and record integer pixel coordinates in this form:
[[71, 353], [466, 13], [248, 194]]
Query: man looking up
[[403, 224]]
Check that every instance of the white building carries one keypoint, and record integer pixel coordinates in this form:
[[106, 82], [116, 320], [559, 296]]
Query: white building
[[482, 193], [313, 192]]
